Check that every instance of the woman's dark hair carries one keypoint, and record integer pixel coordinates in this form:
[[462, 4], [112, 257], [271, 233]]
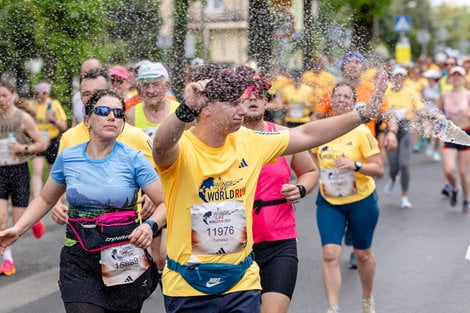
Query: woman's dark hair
[[8, 86], [344, 84], [97, 96]]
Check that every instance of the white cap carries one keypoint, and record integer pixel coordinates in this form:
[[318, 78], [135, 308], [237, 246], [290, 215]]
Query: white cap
[[43, 87], [399, 71], [457, 69], [152, 70], [432, 74]]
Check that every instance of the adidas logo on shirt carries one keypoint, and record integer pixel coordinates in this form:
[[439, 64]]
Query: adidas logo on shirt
[[243, 164], [128, 279], [349, 143], [221, 251]]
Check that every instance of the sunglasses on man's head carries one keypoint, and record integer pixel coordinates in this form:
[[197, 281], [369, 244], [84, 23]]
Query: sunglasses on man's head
[[104, 111]]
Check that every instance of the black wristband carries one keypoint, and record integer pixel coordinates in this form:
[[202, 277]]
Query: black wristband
[[154, 226], [185, 113], [302, 191]]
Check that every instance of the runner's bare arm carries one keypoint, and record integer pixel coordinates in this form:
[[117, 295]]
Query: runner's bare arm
[[165, 143], [32, 131], [33, 213]]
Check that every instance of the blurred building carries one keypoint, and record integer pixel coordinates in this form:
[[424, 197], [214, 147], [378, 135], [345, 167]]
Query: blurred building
[[217, 29], [221, 26]]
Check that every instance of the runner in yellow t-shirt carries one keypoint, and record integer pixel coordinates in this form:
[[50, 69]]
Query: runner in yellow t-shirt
[[153, 83], [209, 175], [51, 121], [318, 79], [403, 102], [347, 196], [298, 99]]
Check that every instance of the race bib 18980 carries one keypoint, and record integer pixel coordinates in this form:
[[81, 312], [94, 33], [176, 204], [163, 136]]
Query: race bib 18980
[[337, 182], [218, 228]]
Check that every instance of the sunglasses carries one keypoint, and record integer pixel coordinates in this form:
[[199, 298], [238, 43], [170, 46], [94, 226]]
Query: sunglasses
[[104, 111], [450, 64], [117, 80]]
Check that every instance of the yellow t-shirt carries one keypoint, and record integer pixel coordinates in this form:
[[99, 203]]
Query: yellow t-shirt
[[319, 82], [416, 85], [54, 108], [131, 136], [211, 178], [404, 101], [294, 98], [357, 145], [369, 74], [280, 82]]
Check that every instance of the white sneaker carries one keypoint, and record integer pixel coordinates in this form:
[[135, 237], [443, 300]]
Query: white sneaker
[[405, 203], [389, 187], [368, 305], [333, 309], [436, 157]]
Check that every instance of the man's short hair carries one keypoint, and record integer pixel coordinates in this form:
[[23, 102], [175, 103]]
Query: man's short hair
[[95, 73]]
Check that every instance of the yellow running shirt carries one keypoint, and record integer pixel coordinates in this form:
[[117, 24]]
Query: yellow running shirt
[[298, 102], [143, 123], [54, 108], [209, 194], [403, 102], [319, 82], [130, 135], [357, 145]]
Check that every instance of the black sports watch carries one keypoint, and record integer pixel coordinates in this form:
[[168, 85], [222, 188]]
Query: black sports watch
[[358, 166], [154, 226]]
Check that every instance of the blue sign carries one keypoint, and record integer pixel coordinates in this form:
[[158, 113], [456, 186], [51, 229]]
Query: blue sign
[[402, 24]]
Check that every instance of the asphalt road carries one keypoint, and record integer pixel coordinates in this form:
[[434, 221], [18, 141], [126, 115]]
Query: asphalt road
[[419, 251]]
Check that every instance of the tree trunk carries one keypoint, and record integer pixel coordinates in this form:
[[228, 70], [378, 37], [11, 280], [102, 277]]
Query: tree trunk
[[179, 36], [307, 45], [260, 33], [362, 30]]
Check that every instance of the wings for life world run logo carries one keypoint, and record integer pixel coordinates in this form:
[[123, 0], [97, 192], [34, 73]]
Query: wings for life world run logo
[[215, 189]]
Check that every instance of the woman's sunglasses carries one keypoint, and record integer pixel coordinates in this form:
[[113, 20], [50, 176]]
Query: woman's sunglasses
[[117, 80], [104, 111]]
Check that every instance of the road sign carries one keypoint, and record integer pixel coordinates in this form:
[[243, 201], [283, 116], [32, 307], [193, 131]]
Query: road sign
[[402, 24]]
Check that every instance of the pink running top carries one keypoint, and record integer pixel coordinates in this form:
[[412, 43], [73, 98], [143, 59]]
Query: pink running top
[[273, 222]]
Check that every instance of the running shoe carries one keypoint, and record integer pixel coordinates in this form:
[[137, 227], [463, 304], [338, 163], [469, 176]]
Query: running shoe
[[466, 206], [389, 187], [368, 305], [39, 229], [446, 190], [416, 147], [453, 198], [352, 261], [405, 203], [332, 309], [8, 268], [436, 157]]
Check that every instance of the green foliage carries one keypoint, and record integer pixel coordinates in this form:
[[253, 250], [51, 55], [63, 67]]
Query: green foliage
[[136, 26], [17, 33]]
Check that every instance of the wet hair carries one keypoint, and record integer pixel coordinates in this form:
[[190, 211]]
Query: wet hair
[[97, 96], [95, 73], [204, 71], [8, 86], [228, 85], [344, 84]]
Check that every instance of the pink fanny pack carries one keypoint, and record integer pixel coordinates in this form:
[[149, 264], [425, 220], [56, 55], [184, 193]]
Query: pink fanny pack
[[104, 231]]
